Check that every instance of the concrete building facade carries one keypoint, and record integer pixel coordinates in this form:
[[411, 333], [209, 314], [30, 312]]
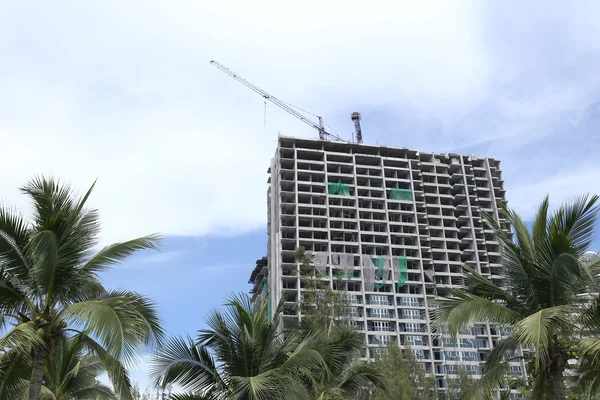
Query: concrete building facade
[[391, 227]]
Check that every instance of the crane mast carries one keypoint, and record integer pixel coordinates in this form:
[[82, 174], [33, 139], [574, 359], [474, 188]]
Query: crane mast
[[356, 118], [279, 103]]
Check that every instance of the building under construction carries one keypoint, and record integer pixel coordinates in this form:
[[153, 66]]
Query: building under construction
[[393, 227]]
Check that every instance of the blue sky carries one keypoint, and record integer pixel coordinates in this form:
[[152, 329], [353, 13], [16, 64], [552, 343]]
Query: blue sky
[[122, 91]]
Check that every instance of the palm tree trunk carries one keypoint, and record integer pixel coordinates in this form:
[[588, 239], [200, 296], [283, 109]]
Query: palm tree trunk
[[558, 382], [37, 372]]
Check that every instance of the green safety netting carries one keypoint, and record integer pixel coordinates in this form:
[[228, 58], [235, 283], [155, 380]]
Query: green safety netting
[[400, 194], [341, 189], [344, 264], [264, 287], [378, 262], [269, 306], [403, 271]]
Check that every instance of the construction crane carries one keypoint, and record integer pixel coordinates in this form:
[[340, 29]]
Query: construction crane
[[320, 126], [356, 118]]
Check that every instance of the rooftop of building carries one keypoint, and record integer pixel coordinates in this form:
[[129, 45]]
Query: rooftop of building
[[368, 149]]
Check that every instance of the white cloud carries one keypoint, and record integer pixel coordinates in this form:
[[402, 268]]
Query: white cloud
[[561, 187], [123, 92]]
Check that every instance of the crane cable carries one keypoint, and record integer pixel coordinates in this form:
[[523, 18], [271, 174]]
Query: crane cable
[[335, 134], [301, 109]]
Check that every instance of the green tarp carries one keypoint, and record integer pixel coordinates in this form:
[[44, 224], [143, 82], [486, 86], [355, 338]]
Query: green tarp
[[340, 189], [403, 272], [264, 286], [378, 263], [269, 306], [400, 194]]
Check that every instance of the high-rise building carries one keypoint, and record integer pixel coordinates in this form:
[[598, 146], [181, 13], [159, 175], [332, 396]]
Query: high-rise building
[[392, 227]]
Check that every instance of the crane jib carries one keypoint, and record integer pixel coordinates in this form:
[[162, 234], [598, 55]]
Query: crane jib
[[280, 103]]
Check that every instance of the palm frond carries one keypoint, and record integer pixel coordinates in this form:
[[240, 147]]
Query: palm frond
[[118, 252], [523, 239], [465, 309], [537, 329], [506, 349], [576, 220], [540, 224], [22, 337], [589, 316], [268, 385], [587, 376], [183, 363], [190, 396], [521, 273], [496, 369], [96, 391], [116, 371], [81, 203], [43, 250], [543, 249], [81, 237], [568, 279], [123, 321], [592, 262], [589, 347], [49, 197], [14, 235], [360, 375], [485, 288], [15, 370], [13, 295], [486, 387], [307, 354]]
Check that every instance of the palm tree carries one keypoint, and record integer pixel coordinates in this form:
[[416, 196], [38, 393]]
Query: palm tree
[[550, 299], [327, 311], [49, 285], [72, 374], [344, 375], [242, 356]]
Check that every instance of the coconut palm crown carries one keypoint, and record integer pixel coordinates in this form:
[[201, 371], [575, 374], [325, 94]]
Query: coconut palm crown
[[549, 299], [50, 289]]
